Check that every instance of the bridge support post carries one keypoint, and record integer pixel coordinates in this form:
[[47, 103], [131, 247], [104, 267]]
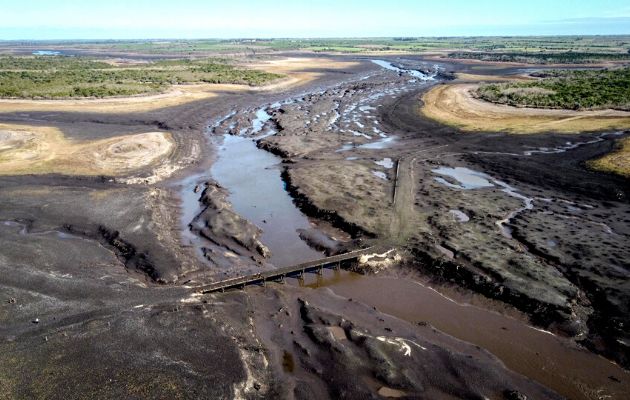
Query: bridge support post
[[338, 265], [320, 270]]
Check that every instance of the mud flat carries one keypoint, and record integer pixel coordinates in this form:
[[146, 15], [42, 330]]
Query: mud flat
[[88, 278], [99, 272], [331, 141]]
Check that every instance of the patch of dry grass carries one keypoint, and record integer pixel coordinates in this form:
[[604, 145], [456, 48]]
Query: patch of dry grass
[[617, 162], [465, 77]]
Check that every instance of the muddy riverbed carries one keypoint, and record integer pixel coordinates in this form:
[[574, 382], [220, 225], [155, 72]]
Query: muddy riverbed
[[538, 354], [551, 360], [523, 245]]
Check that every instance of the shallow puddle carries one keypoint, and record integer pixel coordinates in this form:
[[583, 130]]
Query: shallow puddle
[[460, 216], [467, 178], [382, 143], [46, 53], [385, 163]]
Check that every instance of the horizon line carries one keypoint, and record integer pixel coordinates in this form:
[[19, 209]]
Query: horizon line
[[311, 37]]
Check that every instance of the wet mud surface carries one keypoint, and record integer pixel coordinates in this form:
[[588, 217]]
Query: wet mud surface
[[98, 272]]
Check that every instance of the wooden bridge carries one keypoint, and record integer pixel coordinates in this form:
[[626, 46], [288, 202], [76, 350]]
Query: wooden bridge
[[278, 275]]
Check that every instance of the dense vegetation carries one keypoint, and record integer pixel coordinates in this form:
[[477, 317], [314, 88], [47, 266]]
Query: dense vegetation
[[61, 77], [568, 57], [575, 90]]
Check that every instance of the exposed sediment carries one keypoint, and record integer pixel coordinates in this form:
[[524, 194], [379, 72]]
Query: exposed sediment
[[477, 253], [306, 205], [72, 304]]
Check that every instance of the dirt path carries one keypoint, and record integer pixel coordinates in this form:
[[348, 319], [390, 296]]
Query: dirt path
[[404, 193]]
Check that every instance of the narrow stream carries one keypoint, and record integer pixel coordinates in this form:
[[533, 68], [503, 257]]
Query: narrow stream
[[412, 72], [257, 193], [468, 179], [23, 229], [190, 195]]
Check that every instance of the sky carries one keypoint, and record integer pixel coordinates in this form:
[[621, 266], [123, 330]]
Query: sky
[[157, 19]]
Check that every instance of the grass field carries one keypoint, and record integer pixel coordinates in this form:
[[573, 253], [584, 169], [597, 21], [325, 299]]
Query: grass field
[[296, 72], [596, 44], [574, 90], [70, 77]]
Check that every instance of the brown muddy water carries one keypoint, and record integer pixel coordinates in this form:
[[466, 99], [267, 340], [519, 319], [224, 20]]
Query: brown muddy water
[[546, 358]]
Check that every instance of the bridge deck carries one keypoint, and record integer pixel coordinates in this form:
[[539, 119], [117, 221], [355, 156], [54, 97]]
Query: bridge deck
[[280, 273]]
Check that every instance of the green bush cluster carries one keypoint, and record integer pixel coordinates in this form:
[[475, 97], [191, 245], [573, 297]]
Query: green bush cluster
[[575, 90], [61, 77]]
